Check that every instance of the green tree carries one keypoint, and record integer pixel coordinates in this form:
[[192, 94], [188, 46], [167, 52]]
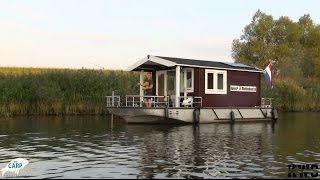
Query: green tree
[[296, 48], [255, 45]]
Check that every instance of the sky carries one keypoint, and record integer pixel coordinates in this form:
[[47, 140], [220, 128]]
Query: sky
[[113, 34]]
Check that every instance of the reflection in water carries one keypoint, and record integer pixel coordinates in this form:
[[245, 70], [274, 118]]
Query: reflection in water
[[92, 147], [211, 150]]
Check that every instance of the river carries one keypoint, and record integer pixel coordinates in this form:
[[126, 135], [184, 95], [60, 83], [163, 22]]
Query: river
[[93, 147]]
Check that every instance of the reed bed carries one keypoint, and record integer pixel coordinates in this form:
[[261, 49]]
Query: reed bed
[[40, 91]]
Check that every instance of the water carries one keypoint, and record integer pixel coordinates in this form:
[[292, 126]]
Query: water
[[88, 147]]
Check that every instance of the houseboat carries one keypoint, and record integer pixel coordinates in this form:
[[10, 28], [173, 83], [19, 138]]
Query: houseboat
[[195, 91]]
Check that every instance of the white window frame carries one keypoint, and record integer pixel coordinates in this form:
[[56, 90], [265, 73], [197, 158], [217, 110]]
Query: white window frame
[[190, 89], [215, 89]]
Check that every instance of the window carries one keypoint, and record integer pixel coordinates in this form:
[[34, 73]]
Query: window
[[216, 81], [189, 79], [220, 81], [210, 81]]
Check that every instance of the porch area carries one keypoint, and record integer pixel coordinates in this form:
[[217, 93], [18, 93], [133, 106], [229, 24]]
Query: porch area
[[156, 101]]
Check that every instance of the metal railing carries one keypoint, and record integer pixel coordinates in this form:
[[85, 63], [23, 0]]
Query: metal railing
[[266, 102], [156, 101], [135, 101], [190, 101], [113, 101]]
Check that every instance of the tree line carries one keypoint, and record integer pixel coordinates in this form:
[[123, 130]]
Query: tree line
[[295, 46]]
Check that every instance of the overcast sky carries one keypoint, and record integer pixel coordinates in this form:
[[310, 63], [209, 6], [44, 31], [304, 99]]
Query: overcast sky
[[112, 34]]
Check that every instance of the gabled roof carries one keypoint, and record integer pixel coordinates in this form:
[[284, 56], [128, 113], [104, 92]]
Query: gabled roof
[[152, 63]]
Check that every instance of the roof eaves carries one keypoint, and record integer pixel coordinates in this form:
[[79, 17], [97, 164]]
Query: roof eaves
[[137, 64], [151, 58], [224, 68]]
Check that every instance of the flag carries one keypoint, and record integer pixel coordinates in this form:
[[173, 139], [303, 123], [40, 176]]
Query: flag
[[267, 74]]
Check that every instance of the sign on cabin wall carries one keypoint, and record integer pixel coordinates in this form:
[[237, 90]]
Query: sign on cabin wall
[[243, 88]]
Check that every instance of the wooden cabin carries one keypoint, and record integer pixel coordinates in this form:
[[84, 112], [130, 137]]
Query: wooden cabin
[[220, 84]]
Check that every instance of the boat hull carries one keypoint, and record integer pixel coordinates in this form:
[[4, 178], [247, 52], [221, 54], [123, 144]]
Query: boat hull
[[191, 115]]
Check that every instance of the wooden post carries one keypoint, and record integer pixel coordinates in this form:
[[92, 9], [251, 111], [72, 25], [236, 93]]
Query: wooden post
[[111, 121], [112, 98]]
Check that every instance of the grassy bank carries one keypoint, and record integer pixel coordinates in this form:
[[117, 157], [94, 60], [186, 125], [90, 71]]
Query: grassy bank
[[38, 91]]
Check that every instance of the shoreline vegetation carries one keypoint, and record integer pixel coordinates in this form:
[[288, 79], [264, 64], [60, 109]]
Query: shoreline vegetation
[[42, 91]]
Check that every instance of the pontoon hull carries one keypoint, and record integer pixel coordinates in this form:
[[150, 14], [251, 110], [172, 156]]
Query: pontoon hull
[[191, 115]]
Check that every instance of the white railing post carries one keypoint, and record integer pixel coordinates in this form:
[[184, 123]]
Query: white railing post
[[134, 100], [177, 86], [185, 84], [141, 88]]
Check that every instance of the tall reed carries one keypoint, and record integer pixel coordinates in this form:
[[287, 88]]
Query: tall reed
[[36, 91], [291, 95]]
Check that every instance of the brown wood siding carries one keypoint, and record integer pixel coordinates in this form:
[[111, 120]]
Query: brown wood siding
[[231, 99]]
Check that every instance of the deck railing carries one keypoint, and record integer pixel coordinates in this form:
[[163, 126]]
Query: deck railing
[[113, 101], [266, 102], [163, 101], [156, 101], [190, 101]]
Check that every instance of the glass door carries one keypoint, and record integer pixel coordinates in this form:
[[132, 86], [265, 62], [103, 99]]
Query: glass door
[[161, 85], [166, 84], [171, 86]]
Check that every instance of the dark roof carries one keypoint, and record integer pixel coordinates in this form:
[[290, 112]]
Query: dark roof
[[224, 65]]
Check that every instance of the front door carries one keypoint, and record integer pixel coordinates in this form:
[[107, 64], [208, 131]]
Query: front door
[[171, 83], [166, 84], [171, 86]]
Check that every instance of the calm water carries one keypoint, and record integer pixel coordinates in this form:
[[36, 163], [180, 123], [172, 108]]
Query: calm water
[[88, 147]]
